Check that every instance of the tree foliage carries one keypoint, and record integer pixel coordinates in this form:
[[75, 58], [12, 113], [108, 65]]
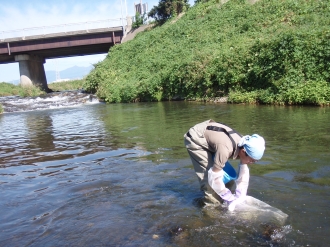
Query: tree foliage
[[139, 20], [167, 8]]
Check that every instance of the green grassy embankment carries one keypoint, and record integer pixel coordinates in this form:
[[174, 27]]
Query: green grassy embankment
[[7, 89], [272, 52], [67, 85]]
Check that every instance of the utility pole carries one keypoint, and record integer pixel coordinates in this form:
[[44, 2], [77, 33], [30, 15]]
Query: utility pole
[[57, 72], [122, 18], [126, 8]]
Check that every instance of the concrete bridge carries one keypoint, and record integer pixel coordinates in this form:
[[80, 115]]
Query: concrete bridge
[[32, 51]]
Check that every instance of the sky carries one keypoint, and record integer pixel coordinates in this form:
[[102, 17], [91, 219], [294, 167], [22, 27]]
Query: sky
[[20, 14]]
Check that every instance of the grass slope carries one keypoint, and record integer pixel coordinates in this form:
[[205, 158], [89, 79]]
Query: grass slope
[[273, 52], [8, 89]]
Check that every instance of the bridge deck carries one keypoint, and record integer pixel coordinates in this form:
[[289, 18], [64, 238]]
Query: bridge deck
[[63, 44]]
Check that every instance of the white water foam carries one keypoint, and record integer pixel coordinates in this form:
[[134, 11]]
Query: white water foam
[[49, 101], [253, 209]]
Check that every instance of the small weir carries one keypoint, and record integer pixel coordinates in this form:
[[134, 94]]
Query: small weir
[[50, 101]]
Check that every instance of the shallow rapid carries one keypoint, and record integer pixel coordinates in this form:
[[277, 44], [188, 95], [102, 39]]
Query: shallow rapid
[[53, 100]]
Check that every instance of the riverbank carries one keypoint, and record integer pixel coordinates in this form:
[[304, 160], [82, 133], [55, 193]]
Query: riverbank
[[271, 52], [8, 89]]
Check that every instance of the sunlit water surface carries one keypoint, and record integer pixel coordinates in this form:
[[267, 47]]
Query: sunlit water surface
[[119, 175]]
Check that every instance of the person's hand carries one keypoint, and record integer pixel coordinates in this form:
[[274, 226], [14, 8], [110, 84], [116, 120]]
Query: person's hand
[[242, 184], [238, 200], [232, 205]]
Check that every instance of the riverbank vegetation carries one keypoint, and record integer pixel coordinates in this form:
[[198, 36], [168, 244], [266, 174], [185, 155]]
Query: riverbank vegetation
[[167, 9], [67, 85], [8, 89], [271, 52]]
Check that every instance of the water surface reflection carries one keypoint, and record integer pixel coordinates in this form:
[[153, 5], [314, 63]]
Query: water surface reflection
[[119, 175]]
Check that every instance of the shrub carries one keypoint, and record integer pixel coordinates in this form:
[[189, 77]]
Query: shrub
[[7, 89], [167, 9], [67, 85], [272, 52], [243, 97], [30, 91], [139, 20], [310, 92]]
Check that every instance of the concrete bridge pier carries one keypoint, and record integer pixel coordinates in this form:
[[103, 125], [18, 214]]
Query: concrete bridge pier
[[32, 71]]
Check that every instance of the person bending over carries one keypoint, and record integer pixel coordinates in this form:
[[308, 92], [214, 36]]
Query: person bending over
[[210, 145]]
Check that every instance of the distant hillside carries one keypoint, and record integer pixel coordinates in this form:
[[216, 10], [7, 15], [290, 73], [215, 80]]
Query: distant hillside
[[75, 72], [271, 52]]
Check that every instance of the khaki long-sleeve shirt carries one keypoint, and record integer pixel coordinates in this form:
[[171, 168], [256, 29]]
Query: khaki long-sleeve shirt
[[221, 144], [217, 142]]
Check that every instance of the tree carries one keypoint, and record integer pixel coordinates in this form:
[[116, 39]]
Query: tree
[[167, 9], [139, 20]]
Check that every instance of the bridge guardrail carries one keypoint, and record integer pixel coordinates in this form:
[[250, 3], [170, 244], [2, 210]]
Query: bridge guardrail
[[43, 30]]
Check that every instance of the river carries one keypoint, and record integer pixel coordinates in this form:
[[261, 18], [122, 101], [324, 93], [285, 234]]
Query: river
[[94, 174]]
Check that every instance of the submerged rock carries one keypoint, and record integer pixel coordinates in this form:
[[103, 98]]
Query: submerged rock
[[176, 231], [275, 233]]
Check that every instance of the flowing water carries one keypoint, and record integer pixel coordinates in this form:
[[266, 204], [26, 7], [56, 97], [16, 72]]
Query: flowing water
[[119, 175]]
